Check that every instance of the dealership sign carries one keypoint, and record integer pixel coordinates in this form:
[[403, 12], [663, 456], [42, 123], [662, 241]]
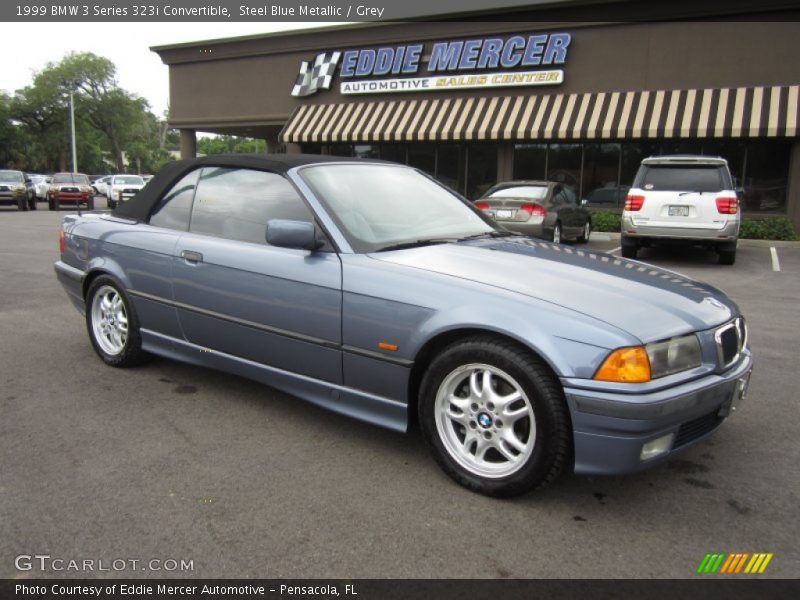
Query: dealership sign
[[466, 64]]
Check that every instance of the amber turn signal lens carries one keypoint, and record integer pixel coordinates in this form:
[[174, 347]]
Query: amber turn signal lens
[[625, 365]]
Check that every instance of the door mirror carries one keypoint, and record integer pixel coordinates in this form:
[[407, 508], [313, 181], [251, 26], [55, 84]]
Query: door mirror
[[292, 234]]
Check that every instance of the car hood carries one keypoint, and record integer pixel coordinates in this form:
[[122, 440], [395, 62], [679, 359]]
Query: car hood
[[647, 302]]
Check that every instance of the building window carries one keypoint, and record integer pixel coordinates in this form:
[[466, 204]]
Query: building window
[[765, 176], [601, 186], [394, 152], [366, 151], [422, 157], [450, 166], [564, 165], [481, 169], [530, 161]]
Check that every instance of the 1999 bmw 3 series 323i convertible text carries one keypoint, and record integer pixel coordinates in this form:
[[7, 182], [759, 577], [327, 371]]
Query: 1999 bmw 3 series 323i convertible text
[[369, 289]]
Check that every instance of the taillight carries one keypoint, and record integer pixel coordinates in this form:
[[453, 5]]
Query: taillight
[[482, 205], [727, 205], [536, 210], [634, 202], [61, 245]]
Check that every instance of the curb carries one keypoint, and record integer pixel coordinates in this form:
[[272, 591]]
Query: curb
[[614, 236]]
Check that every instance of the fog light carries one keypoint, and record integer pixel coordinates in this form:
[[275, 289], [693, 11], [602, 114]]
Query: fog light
[[657, 447]]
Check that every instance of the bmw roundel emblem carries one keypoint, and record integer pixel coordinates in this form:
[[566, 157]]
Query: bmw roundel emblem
[[484, 420]]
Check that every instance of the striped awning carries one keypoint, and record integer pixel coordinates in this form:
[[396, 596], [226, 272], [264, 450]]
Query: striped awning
[[699, 113]]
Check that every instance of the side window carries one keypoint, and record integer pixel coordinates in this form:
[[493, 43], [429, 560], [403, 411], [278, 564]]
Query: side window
[[174, 209], [237, 203], [570, 197]]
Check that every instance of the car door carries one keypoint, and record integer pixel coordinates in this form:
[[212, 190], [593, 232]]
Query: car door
[[238, 295]]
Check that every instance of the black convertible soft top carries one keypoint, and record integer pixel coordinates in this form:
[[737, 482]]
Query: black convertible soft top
[[140, 206]]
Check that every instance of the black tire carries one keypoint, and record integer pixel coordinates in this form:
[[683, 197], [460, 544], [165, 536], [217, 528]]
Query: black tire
[[32, 203], [584, 236], [22, 204], [50, 204], [558, 233], [90, 203], [551, 448], [111, 204], [727, 253], [629, 248], [56, 204], [131, 353]]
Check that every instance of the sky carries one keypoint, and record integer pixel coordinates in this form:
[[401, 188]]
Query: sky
[[30, 46]]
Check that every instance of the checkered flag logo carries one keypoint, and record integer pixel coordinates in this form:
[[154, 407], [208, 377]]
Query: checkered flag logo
[[316, 76]]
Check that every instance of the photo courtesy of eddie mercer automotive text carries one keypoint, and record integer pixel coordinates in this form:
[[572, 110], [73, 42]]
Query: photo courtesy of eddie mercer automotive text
[[370, 289]]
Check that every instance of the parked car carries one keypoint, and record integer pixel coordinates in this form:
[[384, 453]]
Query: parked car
[[370, 289], [121, 188], [542, 209], [689, 199], [42, 185], [101, 185], [146, 178], [612, 196], [13, 189], [70, 188], [30, 187]]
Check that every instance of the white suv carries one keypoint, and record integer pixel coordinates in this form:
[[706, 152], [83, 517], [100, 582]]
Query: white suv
[[689, 198]]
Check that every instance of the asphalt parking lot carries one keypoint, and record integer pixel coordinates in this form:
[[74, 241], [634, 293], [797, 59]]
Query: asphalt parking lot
[[170, 461]]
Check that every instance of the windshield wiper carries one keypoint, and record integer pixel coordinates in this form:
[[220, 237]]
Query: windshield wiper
[[417, 244], [490, 234], [684, 193]]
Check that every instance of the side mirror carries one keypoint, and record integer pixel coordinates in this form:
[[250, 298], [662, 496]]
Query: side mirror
[[292, 234]]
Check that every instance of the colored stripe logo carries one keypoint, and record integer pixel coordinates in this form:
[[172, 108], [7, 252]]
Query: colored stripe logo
[[734, 563]]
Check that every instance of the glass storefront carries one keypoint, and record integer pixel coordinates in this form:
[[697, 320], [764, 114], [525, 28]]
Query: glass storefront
[[599, 172]]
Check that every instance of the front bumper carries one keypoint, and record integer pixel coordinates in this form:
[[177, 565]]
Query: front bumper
[[631, 229], [610, 429]]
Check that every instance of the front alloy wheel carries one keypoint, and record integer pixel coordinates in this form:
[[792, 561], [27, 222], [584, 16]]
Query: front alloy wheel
[[485, 420], [494, 417]]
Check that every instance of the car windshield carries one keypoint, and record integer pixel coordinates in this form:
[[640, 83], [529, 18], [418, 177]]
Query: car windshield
[[11, 177], [128, 180], [381, 206], [75, 178], [682, 178], [530, 192]]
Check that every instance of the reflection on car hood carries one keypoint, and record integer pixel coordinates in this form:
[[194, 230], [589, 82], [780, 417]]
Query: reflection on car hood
[[645, 301]]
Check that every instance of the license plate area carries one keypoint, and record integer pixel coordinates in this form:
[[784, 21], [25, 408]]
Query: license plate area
[[678, 211], [504, 213]]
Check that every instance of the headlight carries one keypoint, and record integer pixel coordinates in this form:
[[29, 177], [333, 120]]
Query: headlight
[[640, 364], [19, 188], [673, 356]]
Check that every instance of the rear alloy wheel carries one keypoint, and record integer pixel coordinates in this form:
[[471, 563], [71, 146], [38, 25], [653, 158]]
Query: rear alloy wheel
[[494, 417], [557, 233], [113, 324], [587, 231]]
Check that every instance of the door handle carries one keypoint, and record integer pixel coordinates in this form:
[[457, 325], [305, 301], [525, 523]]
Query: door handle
[[191, 256]]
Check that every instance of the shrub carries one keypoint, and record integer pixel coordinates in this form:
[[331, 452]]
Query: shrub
[[768, 228], [604, 220]]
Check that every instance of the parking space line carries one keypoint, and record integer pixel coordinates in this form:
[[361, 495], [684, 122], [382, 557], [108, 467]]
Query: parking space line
[[615, 249], [776, 264]]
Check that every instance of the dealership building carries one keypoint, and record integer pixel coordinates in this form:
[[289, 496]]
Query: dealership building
[[473, 102]]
